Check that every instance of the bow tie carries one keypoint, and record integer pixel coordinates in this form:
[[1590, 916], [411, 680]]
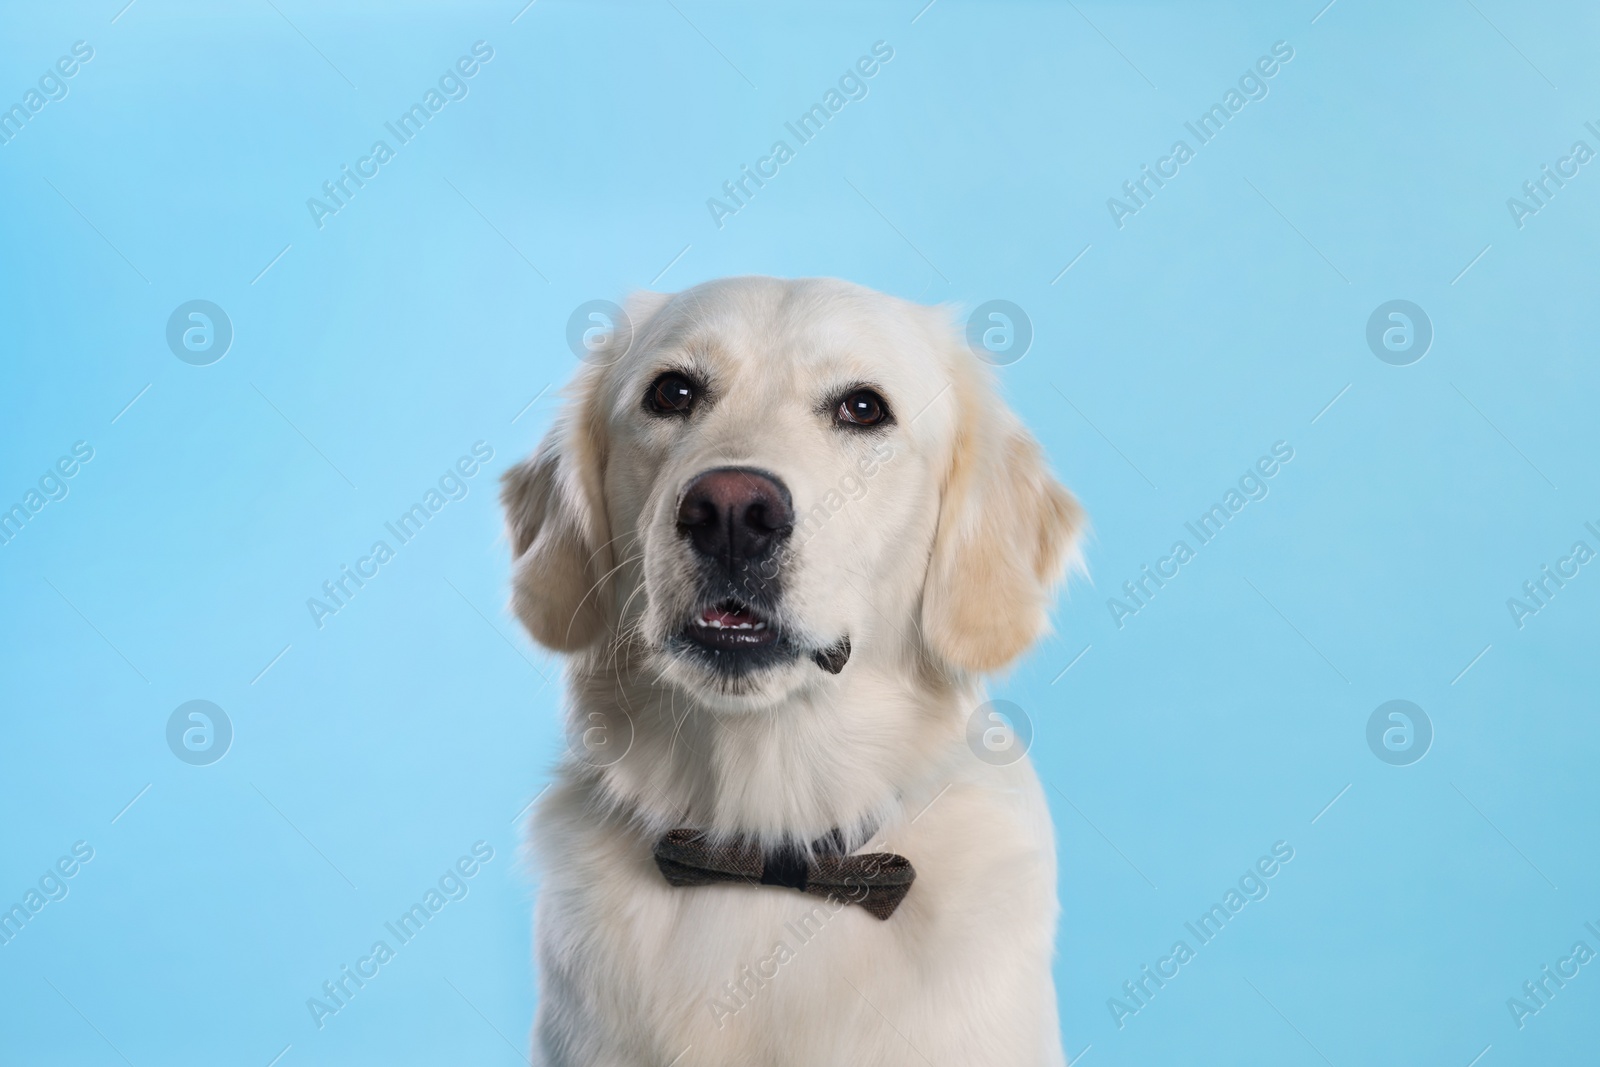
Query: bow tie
[[877, 881]]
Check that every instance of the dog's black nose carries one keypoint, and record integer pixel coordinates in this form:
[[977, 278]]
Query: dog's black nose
[[735, 514]]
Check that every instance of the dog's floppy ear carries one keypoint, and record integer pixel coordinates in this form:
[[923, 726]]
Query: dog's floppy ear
[[556, 521], [555, 504], [1007, 530]]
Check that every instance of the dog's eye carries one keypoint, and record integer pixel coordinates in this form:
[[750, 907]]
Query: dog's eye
[[862, 408], [671, 394]]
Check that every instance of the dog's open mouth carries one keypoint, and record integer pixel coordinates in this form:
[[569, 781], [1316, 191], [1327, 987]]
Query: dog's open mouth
[[735, 638], [731, 626]]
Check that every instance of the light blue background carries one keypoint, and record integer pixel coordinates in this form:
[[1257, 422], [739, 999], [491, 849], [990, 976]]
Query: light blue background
[[431, 311]]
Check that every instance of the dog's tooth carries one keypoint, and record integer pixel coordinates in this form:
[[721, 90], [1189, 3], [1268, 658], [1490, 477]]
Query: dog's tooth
[[720, 621]]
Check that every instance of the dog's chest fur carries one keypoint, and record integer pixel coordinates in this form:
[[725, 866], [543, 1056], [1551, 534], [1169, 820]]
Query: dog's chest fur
[[636, 972]]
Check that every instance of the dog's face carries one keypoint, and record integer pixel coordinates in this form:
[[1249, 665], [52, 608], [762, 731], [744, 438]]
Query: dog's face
[[763, 482]]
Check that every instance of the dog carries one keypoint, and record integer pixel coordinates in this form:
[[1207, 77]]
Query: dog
[[781, 529]]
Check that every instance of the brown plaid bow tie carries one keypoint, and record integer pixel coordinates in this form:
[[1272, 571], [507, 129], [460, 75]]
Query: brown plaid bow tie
[[877, 881]]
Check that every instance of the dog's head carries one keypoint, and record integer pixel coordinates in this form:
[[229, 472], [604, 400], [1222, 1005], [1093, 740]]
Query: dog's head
[[762, 484]]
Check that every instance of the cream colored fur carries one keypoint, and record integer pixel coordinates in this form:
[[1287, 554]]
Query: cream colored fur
[[937, 567]]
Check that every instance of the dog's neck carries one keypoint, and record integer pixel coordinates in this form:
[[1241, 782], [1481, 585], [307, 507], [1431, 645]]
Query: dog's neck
[[852, 753]]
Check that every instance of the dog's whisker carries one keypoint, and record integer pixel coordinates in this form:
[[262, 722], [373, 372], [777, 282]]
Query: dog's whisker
[[628, 603], [677, 728], [598, 583], [611, 541]]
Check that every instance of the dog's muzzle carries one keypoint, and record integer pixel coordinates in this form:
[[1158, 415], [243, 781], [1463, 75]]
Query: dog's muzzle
[[738, 521]]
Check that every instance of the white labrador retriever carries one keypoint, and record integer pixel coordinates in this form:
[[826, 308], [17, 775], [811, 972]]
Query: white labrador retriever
[[781, 528]]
